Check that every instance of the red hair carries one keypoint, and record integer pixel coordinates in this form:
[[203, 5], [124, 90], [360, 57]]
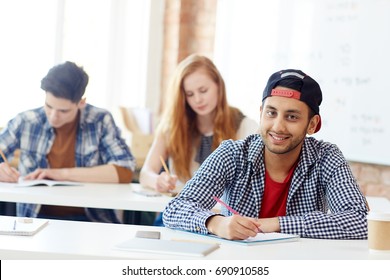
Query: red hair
[[178, 123]]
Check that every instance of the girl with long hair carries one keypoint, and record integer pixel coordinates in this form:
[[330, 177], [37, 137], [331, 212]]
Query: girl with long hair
[[196, 120]]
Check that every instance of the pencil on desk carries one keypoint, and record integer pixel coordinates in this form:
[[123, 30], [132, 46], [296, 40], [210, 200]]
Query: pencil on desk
[[165, 166], [3, 156]]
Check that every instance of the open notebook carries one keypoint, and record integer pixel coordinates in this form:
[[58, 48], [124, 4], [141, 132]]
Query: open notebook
[[47, 183], [260, 238], [21, 226], [268, 237]]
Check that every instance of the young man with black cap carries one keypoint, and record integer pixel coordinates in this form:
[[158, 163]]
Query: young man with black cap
[[279, 181], [67, 140]]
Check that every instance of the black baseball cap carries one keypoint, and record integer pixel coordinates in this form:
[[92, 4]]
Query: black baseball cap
[[302, 86]]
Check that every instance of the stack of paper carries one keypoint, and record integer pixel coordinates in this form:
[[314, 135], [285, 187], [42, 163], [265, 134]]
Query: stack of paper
[[21, 226]]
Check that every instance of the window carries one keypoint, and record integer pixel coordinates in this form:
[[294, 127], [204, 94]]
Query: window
[[110, 39], [250, 44], [27, 50]]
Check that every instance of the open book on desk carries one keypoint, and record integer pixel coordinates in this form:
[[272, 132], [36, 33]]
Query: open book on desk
[[260, 238], [21, 226], [45, 182], [269, 237]]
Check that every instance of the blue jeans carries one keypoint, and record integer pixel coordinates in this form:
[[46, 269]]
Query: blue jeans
[[158, 222], [80, 218]]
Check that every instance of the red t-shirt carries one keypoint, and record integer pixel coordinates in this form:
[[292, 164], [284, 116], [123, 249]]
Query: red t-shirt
[[275, 196]]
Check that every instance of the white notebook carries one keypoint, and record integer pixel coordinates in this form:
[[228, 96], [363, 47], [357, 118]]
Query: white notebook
[[260, 238], [160, 246], [45, 182], [21, 226], [269, 237]]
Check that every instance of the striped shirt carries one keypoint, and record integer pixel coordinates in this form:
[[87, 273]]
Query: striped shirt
[[98, 142], [324, 200], [205, 148]]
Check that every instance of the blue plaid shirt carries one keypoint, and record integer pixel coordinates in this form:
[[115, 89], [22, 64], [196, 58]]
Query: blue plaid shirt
[[98, 142], [324, 200]]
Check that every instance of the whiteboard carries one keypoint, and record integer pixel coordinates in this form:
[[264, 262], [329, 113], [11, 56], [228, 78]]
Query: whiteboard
[[344, 45]]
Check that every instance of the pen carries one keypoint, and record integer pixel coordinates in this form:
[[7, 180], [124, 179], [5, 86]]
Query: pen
[[227, 206], [170, 192], [3, 156], [15, 225], [165, 166]]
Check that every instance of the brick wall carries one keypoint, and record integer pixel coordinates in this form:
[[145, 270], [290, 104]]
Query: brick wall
[[189, 27], [374, 180]]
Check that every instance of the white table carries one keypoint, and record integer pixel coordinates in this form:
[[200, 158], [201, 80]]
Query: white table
[[84, 240], [110, 196], [378, 204]]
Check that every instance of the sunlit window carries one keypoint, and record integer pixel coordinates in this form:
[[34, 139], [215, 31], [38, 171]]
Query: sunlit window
[[27, 50], [108, 38]]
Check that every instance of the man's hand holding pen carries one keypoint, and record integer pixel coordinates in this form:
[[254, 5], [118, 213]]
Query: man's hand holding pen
[[239, 227], [7, 172], [233, 227]]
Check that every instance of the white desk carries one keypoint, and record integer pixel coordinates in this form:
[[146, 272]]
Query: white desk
[[378, 204], [83, 240], [110, 196]]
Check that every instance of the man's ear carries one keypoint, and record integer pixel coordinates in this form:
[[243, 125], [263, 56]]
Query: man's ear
[[311, 128], [82, 103]]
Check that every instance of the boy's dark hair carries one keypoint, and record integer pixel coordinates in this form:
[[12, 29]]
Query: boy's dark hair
[[66, 80]]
